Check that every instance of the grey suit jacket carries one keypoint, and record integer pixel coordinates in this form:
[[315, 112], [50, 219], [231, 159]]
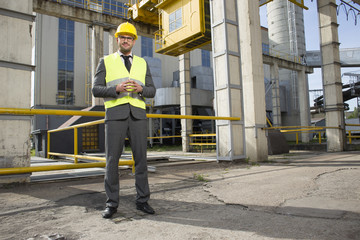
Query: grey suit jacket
[[122, 111]]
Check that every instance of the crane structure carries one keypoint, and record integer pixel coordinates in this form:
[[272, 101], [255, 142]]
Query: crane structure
[[183, 25]]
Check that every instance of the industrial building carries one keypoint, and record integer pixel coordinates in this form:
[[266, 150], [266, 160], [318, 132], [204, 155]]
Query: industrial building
[[209, 58], [52, 92]]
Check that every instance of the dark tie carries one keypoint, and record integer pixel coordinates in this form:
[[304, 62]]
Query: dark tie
[[127, 62]]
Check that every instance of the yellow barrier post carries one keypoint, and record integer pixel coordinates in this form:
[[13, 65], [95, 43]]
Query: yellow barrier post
[[350, 138], [297, 138], [133, 165], [48, 145], [75, 144], [319, 137]]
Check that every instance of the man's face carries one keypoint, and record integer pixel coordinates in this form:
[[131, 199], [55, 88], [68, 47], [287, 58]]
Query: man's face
[[125, 43]]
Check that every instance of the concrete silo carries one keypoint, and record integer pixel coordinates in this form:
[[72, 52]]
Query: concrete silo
[[287, 40]]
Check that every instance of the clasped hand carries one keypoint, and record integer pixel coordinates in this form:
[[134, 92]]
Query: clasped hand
[[129, 86]]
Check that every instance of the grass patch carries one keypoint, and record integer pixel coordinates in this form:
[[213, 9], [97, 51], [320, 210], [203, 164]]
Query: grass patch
[[200, 177]]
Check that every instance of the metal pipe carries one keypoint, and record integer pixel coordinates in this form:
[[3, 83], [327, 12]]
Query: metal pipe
[[203, 135], [25, 111], [302, 129], [75, 144], [121, 162], [297, 138], [21, 170], [172, 116], [78, 126], [48, 145], [350, 138]]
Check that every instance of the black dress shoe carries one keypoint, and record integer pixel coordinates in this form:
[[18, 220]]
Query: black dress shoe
[[145, 207], [108, 212]]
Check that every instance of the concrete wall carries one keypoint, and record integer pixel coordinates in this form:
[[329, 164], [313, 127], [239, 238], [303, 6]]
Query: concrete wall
[[46, 76], [15, 78], [46, 49], [169, 65], [80, 64]]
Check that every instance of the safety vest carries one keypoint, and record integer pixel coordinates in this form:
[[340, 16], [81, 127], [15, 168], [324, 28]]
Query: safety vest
[[116, 73]]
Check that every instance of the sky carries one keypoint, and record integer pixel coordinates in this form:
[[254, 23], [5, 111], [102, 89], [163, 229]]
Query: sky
[[349, 37]]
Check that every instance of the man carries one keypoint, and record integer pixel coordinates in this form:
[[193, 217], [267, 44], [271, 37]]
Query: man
[[123, 80]]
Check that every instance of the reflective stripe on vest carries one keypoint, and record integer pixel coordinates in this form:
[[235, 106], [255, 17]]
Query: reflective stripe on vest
[[116, 73]]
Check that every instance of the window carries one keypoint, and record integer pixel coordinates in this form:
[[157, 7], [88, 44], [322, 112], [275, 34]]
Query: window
[[65, 95], [193, 82], [175, 20], [265, 49], [115, 8], [146, 47], [205, 58]]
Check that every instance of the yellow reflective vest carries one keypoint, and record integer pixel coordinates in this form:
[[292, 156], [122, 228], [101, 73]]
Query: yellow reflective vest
[[116, 73]]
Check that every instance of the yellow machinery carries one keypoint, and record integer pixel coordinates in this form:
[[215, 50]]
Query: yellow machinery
[[184, 25], [144, 11]]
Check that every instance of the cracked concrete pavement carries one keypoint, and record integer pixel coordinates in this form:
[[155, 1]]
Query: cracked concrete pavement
[[301, 195]]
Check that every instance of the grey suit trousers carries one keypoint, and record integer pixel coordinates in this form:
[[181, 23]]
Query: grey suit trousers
[[115, 132]]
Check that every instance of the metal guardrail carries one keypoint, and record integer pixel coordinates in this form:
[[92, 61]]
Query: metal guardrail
[[76, 156], [314, 129], [350, 136], [202, 139]]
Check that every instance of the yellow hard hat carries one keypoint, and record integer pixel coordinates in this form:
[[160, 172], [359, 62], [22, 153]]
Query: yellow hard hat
[[126, 29]]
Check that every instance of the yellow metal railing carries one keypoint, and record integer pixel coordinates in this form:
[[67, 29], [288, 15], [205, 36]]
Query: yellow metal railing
[[350, 136], [313, 129], [300, 129], [158, 39], [202, 140], [75, 127], [76, 156], [18, 111]]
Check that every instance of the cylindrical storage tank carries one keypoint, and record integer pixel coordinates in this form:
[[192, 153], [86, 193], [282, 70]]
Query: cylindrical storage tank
[[287, 40], [286, 27]]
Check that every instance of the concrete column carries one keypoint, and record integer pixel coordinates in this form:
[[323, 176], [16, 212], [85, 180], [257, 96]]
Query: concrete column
[[15, 92], [331, 75], [253, 80], [97, 52], [230, 135], [304, 104], [113, 46], [185, 99], [275, 88]]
